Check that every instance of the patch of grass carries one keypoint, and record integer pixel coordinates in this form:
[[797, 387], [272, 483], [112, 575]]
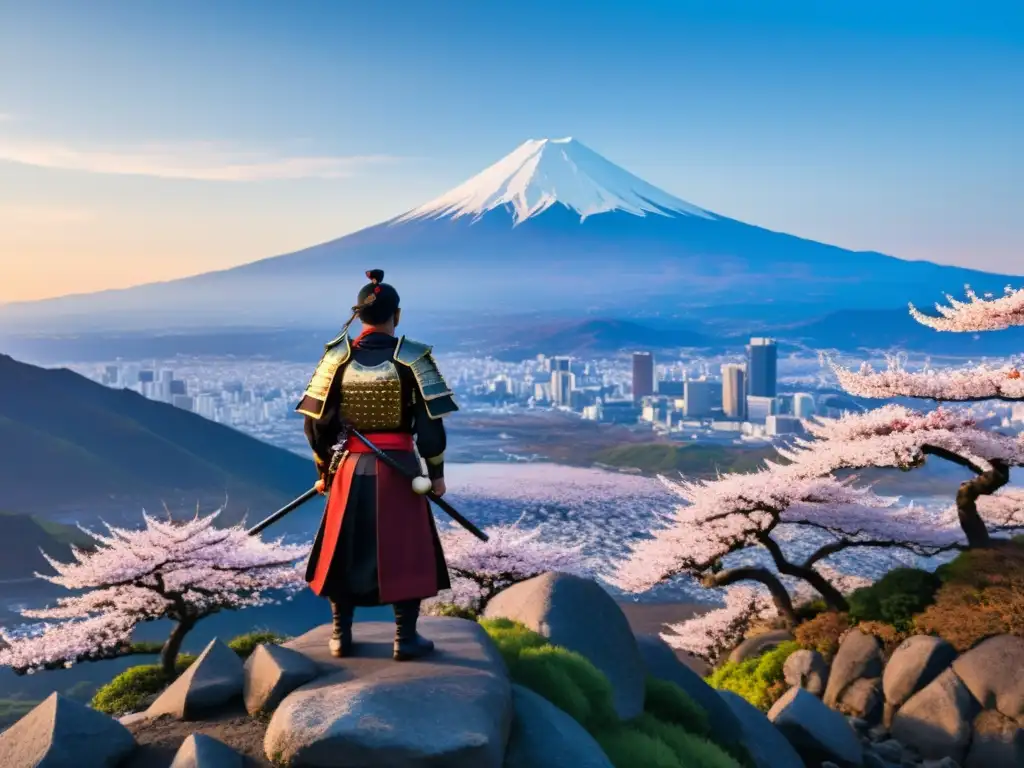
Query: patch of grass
[[245, 644], [668, 735], [129, 691], [452, 610], [895, 598], [758, 680]]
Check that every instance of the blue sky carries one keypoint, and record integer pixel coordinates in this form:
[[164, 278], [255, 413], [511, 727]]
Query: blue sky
[[146, 140]]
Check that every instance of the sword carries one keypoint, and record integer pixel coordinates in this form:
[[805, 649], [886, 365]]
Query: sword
[[395, 465], [291, 505]]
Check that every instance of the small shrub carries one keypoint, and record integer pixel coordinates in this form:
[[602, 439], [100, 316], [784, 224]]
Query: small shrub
[[244, 645], [692, 751], [629, 748], [758, 680], [982, 595], [809, 610], [895, 598], [822, 633], [670, 704], [887, 635], [452, 610], [130, 690]]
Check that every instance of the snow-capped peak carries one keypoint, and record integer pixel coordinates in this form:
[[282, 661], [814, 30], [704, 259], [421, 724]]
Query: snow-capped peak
[[543, 172]]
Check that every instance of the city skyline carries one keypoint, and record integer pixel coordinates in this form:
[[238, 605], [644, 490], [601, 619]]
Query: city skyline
[[198, 138]]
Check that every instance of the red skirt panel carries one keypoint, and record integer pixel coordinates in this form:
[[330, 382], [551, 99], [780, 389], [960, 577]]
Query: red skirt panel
[[407, 548]]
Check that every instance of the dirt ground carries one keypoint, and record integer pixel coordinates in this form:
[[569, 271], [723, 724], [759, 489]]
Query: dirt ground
[[160, 739]]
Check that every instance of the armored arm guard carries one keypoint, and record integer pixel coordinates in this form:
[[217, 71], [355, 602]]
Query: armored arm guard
[[437, 397], [337, 353]]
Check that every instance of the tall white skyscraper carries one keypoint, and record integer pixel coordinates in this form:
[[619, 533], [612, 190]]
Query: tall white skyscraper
[[803, 405]]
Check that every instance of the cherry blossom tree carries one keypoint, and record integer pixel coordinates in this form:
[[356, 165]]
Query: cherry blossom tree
[[772, 510], [480, 570], [183, 571], [946, 433]]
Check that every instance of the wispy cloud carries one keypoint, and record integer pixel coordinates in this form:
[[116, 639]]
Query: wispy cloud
[[14, 214], [204, 161]]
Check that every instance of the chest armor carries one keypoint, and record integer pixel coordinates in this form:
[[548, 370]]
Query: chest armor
[[371, 396]]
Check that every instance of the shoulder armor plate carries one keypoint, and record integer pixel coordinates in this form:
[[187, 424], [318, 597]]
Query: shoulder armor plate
[[437, 396], [337, 353]]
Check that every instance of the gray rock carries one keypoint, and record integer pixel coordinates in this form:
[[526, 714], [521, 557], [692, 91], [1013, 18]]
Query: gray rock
[[758, 644], [994, 672], [890, 750], [863, 699], [945, 762], [662, 663], [815, 731], [579, 615], [134, 717], [543, 736], [998, 742], [61, 733], [214, 679], [202, 751], [859, 655], [767, 746], [871, 760], [916, 662], [878, 733], [936, 721], [453, 708], [808, 670], [271, 673]]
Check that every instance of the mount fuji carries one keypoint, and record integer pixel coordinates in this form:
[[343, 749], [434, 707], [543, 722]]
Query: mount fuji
[[552, 227]]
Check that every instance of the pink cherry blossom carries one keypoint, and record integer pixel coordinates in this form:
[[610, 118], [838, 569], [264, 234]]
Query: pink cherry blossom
[[980, 382], [986, 313], [167, 569], [708, 635], [479, 570]]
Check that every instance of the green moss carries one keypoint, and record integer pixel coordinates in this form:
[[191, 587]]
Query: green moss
[[129, 691], [895, 598], [670, 704], [758, 680], [244, 645], [630, 748], [693, 751]]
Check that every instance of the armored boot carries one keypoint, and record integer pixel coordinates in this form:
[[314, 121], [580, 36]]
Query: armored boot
[[341, 638], [408, 643]]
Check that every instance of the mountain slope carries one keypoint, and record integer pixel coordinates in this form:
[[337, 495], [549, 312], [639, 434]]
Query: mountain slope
[[72, 446], [552, 226]]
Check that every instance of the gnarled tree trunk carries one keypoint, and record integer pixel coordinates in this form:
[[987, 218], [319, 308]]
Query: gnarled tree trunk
[[171, 648], [781, 598]]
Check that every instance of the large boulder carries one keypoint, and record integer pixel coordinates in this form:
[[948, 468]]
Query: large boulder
[[914, 664], [998, 742], [754, 646], [815, 731], [61, 733], [271, 673], [859, 655], [579, 615], [202, 751], [453, 708], [767, 746], [993, 672], [936, 721], [214, 679], [543, 736], [661, 663], [806, 669], [863, 699]]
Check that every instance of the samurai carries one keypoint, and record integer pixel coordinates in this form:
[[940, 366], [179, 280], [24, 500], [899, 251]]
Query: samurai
[[377, 543]]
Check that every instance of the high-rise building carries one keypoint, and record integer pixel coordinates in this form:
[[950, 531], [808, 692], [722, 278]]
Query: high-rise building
[[178, 387], [643, 375], [562, 384], [783, 425], [734, 403], [762, 367], [671, 388], [561, 364], [146, 377], [803, 405], [700, 397], [760, 408]]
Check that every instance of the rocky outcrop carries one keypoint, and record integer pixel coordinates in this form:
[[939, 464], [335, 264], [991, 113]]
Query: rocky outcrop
[[61, 733], [758, 644], [212, 680], [997, 741], [808, 670], [815, 731], [271, 673], [661, 663], [543, 736], [859, 656], [201, 751], [993, 672], [914, 664], [452, 709], [578, 614], [936, 721], [767, 746]]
